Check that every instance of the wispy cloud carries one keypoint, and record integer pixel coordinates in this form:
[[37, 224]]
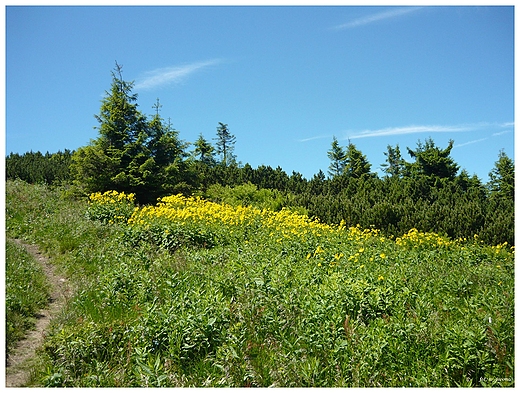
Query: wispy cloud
[[169, 75], [392, 131], [501, 125], [502, 132], [509, 128], [419, 129], [471, 142], [365, 20], [408, 130], [312, 138]]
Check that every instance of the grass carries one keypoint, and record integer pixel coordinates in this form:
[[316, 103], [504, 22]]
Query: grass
[[26, 291], [190, 293]]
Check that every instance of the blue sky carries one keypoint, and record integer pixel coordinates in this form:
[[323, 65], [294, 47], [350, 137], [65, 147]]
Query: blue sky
[[284, 79]]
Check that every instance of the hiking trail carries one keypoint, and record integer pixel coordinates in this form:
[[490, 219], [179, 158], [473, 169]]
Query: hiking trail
[[18, 365]]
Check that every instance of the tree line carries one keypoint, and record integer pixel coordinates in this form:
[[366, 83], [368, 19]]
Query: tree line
[[145, 156]]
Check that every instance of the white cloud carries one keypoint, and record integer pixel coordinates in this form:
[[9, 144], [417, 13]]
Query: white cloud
[[470, 142], [502, 132], [312, 138], [502, 125], [420, 129], [169, 75], [394, 13], [409, 130], [417, 129]]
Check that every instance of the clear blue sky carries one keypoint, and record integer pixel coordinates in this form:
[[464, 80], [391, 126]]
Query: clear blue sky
[[284, 79]]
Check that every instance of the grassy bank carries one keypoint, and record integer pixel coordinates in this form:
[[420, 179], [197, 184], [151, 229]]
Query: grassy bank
[[192, 293]]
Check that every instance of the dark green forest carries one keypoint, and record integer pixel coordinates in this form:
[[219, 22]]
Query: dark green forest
[[144, 155]]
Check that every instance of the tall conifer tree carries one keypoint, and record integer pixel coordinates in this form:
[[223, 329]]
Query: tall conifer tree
[[502, 177], [115, 159], [130, 154], [337, 157], [356, 163], [204, 151], [225, 144], [394, 165]]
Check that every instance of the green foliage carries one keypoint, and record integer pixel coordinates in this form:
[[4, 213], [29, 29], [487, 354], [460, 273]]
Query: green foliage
[[110, 207], [38, 168], [337, 157], [502, 177], [329, 307], [432, 161], [356, 163], [26, 292], [172, 237], [499, 221], [248, 194], [204, 151], [92, 168], [458, 207], [225, 144], [395, 165], [169, 173], [131, 154]]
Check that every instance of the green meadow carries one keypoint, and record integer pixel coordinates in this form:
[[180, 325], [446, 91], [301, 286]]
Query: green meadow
[[190, 292]]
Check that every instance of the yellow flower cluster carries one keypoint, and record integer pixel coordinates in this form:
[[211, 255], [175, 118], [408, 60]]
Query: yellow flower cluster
[[181, 209], [503, 246], [110, 207], [414, 238], [277, 226], [357, 233], [111, 197], [280, 225]]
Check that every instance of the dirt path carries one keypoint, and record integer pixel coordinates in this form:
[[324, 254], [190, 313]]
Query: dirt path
[[18, 365]]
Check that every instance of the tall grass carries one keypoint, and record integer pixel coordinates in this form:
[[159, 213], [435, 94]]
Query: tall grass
[[191, 293]]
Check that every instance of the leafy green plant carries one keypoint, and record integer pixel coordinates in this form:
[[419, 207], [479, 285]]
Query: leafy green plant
[[111, 207]]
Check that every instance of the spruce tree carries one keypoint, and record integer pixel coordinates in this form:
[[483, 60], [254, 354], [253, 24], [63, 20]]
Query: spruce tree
[[131, 153], [204, 151], [225, 144], [394, 165], [433, 161], [337, 157], [356, 163], [118, 158], [167, 153], [502, 177]]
